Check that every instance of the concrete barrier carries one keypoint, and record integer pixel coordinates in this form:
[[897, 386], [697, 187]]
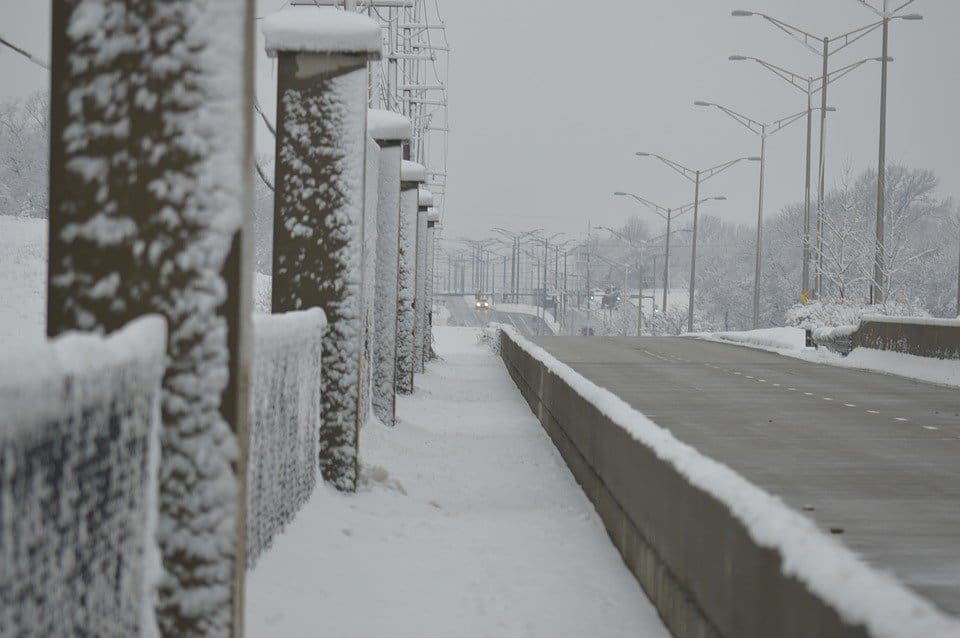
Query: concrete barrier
[[937, 338], [694, 547]]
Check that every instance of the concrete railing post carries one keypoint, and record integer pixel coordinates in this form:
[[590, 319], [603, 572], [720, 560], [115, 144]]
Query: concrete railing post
[[390, 131], [411, 176], [425, 202], [433, 222], [150, 161], [318, 221]]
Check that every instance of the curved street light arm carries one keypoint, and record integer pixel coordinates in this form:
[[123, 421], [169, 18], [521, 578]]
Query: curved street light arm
[[685, 172], [784, 122], [753, 125], [797, 80], [719, 168], [660, 210], [850, 37], [803, 37]]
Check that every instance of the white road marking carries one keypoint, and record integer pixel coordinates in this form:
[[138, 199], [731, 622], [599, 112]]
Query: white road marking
[[749, 377], [849, 405], [899, 418], [930, 427], [827, 399], [776, 385], [809, 394], [792, 389], [762, 380], [872, 412]]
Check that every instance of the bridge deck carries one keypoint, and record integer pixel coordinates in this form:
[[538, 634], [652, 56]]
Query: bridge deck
[[873, 455]]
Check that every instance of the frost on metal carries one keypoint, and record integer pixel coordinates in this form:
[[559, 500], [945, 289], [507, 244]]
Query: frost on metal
[[284, 422], [147, 170], [385, 312], [318, 235], [79, 421], [406, 283]]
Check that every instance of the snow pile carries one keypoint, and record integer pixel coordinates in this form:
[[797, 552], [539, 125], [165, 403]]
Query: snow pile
[[466, 523], [775, 339], [320, 30], [284, 422], [860, 594], [79, 450], [385, 125], [262, 290], [818, 314]]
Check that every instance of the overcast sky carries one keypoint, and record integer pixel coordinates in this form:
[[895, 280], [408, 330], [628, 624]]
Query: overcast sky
[[549, 99]]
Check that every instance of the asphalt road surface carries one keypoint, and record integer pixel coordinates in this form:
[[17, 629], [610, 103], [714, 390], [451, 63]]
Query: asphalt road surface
[[872, 458], [464, 314]]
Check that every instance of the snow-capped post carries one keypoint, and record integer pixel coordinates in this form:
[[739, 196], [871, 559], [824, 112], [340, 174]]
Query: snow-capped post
[[433, 221], [411, 176], [318, 224], [151, 155], [390, 130], [425, 202]]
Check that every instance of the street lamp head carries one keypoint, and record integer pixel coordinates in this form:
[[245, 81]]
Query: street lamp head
[[642, 154], [621, 194], [754, 158], [831, 109], [720, 198], [911, 16], [889, 58], [738, 58], [740, 13], [702, 103]]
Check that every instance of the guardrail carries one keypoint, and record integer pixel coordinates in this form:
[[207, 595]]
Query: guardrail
[[937, 338], [716, 555], [79, 450]]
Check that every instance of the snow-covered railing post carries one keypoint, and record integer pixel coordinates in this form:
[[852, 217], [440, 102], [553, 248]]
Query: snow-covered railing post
[[390, 130], [411, 176], [150, 157], [433, 221], [318, 222], [425, 202]]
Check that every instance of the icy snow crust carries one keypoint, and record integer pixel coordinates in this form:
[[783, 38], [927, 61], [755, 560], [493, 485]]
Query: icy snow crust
[[284, 422], [78, 464], [321, 30], [146, 214], [859, 593], [387, 126]]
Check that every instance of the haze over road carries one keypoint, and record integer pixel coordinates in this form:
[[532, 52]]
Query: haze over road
[[872, 458]]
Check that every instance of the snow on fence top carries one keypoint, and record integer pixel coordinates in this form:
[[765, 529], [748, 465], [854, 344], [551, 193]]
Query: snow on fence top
[[284, 422], [412, 172], [79, 453], [311, 29], [387, 126], [425, 198], [861, 594]]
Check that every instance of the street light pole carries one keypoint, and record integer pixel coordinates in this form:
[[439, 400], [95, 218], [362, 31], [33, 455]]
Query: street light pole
[[666, 259], [760, 129], [756, 271], [822, 169]]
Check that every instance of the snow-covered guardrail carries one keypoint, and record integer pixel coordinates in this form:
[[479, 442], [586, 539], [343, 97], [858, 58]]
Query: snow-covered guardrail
[[79, 452], [936, 338], [717, 555], [284, 422]]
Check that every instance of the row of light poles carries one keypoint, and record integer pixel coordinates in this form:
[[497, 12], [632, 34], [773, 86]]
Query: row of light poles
[[824, 47]]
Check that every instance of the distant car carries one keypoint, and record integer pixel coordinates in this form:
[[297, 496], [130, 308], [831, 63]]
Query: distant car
[[482, 303]]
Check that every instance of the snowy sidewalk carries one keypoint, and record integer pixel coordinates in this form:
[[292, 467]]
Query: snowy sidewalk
[[467, 523]]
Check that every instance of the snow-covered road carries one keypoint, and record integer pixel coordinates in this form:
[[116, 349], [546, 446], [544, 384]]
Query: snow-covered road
[[467, 523]]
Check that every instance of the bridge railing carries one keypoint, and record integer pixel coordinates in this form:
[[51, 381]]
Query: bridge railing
[[937, 338], [79, 451]]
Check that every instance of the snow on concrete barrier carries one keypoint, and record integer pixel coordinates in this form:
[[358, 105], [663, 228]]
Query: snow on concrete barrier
[[717, 555], [411, 176], [79, 450], [936, 338], [284, 422]]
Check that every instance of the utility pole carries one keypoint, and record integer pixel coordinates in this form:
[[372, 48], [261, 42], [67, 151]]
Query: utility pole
[[877, 289]]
